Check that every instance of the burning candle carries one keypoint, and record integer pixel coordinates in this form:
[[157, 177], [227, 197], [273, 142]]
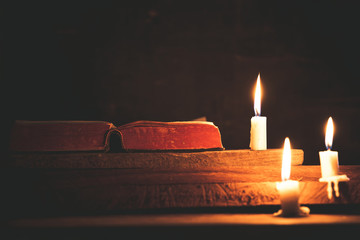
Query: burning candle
[[329, 163], [258, 123], [329, 159], [288, 189]]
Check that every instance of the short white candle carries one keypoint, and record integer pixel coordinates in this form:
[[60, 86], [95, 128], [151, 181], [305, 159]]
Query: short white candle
[[329, 159], [258, 123], [329, 163], [288, 189], [289, 197]]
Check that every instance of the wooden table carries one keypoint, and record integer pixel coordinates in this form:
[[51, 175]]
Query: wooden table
[[185, 226]]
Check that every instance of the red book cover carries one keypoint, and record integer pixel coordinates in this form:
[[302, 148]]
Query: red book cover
[[44, 136], [58, 136], [150, 135]]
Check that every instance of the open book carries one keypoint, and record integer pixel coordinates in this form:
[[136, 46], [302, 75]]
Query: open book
[[50, 136]]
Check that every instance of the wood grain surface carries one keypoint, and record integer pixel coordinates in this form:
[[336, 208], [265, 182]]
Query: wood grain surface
[[54, 191], [231, 158]]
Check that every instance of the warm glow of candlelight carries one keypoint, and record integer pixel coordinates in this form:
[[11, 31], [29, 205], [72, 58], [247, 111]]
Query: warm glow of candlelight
[[329, 134], [286, 161], [288, 189], [257, 100]]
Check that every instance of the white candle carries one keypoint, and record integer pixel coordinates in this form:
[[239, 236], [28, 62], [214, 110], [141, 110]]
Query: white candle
[[289, 197], [258, 123], [329, 163], [288, 189], [329, 159]]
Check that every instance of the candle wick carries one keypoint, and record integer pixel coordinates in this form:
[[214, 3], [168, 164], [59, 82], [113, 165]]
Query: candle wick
[[328, 146]]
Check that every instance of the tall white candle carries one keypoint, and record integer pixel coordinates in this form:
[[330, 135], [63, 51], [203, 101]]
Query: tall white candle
[[329, 159], [258, 123]]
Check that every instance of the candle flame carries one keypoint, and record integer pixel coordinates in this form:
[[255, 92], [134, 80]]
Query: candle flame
[[286, 161], [329, 133], [257, 100]]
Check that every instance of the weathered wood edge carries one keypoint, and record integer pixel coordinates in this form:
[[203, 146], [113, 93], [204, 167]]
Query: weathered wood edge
[[244, 157], [91, 190], [117, 197]]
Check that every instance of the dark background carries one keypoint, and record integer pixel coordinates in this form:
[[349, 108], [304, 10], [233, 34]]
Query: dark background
[[164, 60]]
